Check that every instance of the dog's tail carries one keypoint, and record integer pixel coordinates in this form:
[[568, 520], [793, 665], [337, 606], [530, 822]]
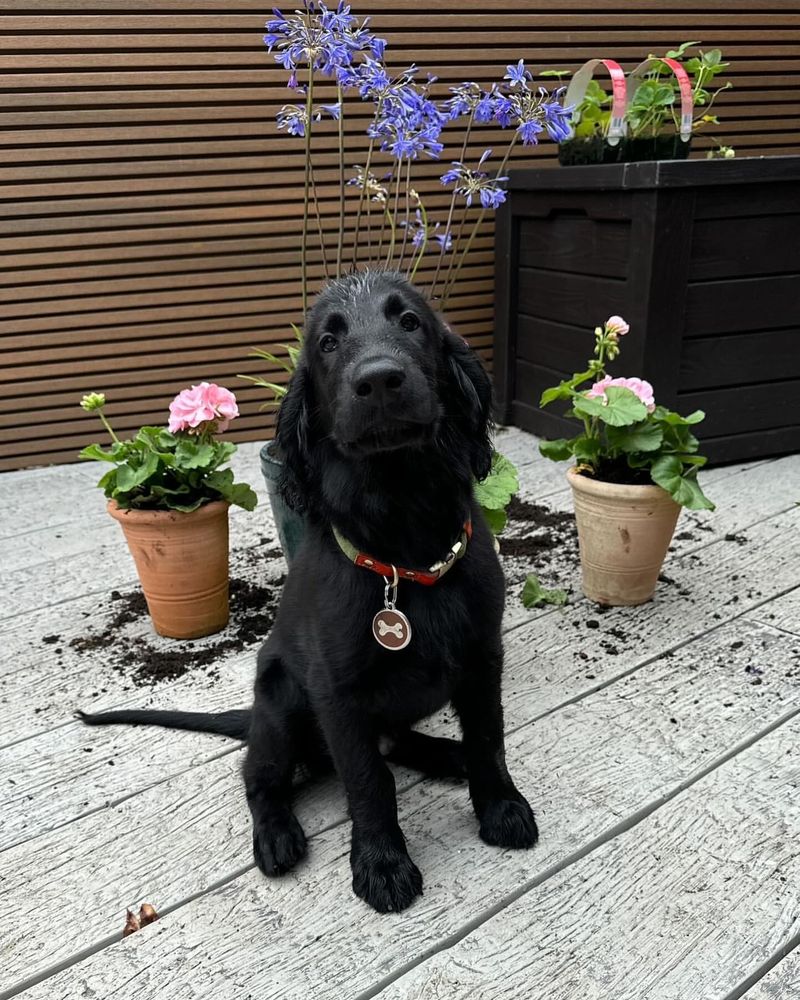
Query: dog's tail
[[235, 723]]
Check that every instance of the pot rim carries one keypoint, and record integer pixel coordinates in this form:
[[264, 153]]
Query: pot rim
[[208, 511], [616, 491]]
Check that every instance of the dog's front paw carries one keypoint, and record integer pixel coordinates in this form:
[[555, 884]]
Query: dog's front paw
[[278, 843], [384, 876], [509, 823]]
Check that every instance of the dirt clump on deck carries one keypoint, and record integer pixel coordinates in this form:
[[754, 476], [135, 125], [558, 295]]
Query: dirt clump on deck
[[146, 660]]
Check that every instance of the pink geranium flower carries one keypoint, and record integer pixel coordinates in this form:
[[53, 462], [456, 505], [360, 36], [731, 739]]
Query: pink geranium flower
[[642, 389], [617, 325], [201, 404]]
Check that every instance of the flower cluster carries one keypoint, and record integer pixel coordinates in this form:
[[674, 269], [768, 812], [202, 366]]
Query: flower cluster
[[319, 39], [406, 124], [638, 386], [204, 407], [470, 183]]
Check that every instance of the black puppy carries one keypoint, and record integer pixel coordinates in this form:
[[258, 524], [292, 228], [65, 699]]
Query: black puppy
[[383, 430]]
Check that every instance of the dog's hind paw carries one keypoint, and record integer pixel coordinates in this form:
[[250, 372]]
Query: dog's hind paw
[[509, 823], [278, 844], [385, 877]]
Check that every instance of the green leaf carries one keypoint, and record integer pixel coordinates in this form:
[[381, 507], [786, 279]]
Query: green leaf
[[645, 436], [534, 594], [495, 491], [667, 472], [239, 494], [129, 476], [586, 449], [496, 519], [562, 391], [193, 454], [623, 407], [681, 49], [566, 388], [558, 450], [98, 454]]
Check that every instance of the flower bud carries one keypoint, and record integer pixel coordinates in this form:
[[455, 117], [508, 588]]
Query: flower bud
[[93, 401], [616, 324]]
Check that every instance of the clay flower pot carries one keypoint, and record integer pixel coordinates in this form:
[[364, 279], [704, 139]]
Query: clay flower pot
[[623, 533], [182, 561]]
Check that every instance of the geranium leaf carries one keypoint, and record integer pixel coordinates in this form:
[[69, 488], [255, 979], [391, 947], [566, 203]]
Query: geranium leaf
[[534, 594], [558, 450], [620, 408], [495, 491], [645, 436]]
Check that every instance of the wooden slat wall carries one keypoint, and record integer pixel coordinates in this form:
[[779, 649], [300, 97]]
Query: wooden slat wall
[[151, 211]]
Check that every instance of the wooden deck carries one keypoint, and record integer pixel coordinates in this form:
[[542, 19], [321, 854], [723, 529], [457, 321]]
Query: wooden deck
[[658, 745]]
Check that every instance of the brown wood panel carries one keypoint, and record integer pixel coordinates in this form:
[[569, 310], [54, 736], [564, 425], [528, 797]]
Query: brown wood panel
[[149, 209]]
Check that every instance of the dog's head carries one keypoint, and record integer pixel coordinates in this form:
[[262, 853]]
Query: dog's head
[[380, 372]]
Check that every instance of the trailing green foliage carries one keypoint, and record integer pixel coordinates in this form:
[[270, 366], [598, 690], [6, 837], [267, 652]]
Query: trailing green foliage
[[494, 493]]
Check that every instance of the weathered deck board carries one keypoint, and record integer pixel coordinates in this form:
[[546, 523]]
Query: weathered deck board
[[637, 740], [704, 890], [780, 983], [166, 821], [771, 564]]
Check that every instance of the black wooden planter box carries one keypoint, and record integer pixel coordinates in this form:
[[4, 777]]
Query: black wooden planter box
[[701, 257]]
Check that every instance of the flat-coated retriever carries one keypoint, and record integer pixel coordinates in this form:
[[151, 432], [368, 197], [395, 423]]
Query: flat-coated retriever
[[383, 430]]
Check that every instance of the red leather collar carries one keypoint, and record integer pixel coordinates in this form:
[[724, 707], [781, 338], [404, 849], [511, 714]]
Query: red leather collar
[[426, 577]]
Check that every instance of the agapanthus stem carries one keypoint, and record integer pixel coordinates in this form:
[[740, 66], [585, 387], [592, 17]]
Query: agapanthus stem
[[315, 201], [423, 245], [341, 182], [447, 224], [450, 282], [392, 216], [365, 182], [382, 232], [306, 187], [392, 235], [408, 217]]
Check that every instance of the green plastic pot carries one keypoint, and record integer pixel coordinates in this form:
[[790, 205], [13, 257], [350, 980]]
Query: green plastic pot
[[290, 525]]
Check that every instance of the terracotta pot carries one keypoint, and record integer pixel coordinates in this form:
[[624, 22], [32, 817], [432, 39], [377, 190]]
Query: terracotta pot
[[623, 533], [182, 561]]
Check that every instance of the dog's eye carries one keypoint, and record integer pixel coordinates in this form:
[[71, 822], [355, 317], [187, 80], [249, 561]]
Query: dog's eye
[[409, 321], [328, 343]]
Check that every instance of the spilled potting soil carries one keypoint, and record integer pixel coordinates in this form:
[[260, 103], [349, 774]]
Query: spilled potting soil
[[537, 539], [143, 659]]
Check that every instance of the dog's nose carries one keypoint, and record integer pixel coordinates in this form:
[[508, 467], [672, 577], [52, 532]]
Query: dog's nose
[[379, 381]]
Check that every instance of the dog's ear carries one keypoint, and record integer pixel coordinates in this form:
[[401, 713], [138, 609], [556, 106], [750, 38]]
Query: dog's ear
[[293, 439], [470, 400]]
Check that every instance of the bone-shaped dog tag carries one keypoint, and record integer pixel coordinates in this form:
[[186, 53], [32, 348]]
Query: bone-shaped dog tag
[[391, 629]]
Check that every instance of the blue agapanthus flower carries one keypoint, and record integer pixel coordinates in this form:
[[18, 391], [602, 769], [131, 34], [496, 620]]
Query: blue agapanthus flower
[[471, 183], [320, 38], [292, 118], [517, 75]]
